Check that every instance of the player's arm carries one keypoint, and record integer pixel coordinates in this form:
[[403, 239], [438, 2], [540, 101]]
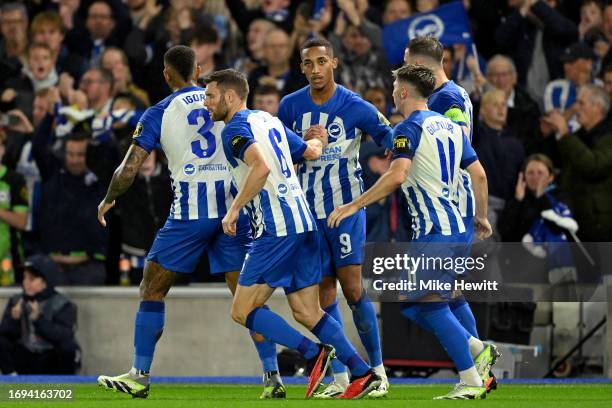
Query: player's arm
[[123, 177], [253, 183], [458, 115], [386, 184], [314, 148], [470, 162]]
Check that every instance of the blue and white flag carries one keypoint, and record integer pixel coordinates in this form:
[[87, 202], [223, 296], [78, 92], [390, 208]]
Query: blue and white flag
[[448, 23]]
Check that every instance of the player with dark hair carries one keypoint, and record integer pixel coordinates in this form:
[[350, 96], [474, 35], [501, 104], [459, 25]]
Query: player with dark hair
[[203, 192], [428, 151], [452, 101], [334, 179], [285, 252]]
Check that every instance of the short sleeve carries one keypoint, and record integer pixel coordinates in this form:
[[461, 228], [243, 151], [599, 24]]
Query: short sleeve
[[19, 194], [283, 113], [468, 155], [148, 130], [239, 139], [297, 146], [374, 123], [406, 139]]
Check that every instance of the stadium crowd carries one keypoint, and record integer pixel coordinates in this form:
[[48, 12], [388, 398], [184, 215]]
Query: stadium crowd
[[75, 76]]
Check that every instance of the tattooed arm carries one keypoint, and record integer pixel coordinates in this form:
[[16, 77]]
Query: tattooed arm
[[122, 179]]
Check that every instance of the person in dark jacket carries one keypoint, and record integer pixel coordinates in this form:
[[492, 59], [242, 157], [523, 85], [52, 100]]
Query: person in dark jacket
[[37, 332], [535, 35], [534, 188], [586, 158], [70, 193], [144, 209], [499, 150]]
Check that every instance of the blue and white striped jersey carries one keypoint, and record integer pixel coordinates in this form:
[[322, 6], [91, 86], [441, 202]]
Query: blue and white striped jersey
[[192, 143], [438, 150], [280, 207], [453, 101], [335, 178]]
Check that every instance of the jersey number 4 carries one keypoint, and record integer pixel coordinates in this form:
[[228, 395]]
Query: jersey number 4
[[204, 131]]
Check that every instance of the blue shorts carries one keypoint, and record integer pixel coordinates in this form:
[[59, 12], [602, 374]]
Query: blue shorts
[[442, 257], [343, 245], [291, 262], [179, 244]]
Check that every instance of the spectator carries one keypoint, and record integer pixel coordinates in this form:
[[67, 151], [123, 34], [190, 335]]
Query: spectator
[[279, 12], [591, 18], [97, 85], [499, 151], [535, 34], [267, 98], [423, 6], [448, 61], [13, 205], [363, 66], [607, 79], [37, 332], [70, 194], [523, 111], [396, 10], [114, 60], [533, 193], [98, 33], [47, 28], [205, 43], [38, 73], [278, 70], [377, 96], [587, 163], [144, 209], [561, 94], [255, 38], [14, 41]]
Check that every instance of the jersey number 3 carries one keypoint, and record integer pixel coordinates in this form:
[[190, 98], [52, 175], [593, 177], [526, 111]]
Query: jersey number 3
[[204, 131]]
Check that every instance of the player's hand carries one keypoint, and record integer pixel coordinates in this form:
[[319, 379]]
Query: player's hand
[[483, 228], [103, 208], [340, 213], [316, 132], [519, 192], [17, 309], [229, 222]]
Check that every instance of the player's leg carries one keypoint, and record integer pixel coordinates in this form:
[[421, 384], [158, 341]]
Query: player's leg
[[227, 254], [347, 246], [177, 248], [303, 298], [329, 302]]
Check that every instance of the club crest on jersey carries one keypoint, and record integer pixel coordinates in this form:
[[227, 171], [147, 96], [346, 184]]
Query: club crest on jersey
[[138, 130], [334, 131], [189, 169], [282, 189]]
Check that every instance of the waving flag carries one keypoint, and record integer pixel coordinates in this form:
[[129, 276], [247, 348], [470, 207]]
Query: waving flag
[[448, 23]]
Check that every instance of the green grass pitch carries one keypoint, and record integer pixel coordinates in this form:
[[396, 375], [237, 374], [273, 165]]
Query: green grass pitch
[[405, 396]]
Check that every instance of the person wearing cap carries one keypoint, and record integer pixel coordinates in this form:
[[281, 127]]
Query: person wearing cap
[[560, 94], [37, 331]]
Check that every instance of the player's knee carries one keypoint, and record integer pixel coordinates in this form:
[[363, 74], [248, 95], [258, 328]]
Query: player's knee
[[327, 293], [352, 292], [239, 314], [147, 292]]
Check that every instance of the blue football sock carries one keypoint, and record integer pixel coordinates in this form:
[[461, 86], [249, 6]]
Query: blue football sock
[[277, 330], [334, 311], [148, 329], [266, 351], [450, 333], [462, 311], [412, 312], [330, 332], [366, 322]]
